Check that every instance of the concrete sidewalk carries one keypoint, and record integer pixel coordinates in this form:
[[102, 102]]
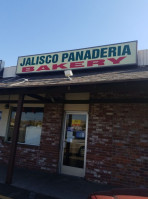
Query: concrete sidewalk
[[53, 185]]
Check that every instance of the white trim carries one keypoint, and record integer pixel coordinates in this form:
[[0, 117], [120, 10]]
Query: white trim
[[67, 169], [73, 171]]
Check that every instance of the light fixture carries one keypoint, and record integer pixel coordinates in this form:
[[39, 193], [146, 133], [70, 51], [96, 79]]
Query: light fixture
[[68, 73]]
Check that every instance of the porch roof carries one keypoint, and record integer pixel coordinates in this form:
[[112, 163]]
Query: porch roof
[[79, 78]]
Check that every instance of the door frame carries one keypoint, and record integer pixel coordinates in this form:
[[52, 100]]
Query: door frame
[[68, 168]]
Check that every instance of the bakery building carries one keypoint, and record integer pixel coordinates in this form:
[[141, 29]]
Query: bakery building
[[81, 112]]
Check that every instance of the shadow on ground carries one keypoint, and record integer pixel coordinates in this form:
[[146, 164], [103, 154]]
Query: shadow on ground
[[53, 185]]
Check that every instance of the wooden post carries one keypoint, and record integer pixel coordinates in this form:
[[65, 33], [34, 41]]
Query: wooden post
[[14, 140]]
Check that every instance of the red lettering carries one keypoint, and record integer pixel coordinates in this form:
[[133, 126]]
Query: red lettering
[[116, 61], [98, 62], [28, 69], [43, 67], [76, 64], [55, 66]]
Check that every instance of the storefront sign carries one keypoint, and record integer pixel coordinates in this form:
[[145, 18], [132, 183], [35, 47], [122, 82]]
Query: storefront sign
[[76, 122], [111, 55]]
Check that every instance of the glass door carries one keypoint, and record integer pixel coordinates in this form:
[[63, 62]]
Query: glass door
[[74, 144]]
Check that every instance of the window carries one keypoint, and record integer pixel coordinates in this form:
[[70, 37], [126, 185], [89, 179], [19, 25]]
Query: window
[[30, 125]]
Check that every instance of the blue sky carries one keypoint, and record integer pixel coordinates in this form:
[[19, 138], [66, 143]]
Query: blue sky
[[30, 27]]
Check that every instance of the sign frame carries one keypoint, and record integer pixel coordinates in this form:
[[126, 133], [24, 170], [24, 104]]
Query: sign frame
[[79, 63]]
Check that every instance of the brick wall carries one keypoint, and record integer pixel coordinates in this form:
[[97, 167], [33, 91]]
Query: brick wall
[[4, 148], [50, 138], [117, 150], [45, 156]]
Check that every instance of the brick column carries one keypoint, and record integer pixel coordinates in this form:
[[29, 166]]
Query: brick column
[[50, 138]]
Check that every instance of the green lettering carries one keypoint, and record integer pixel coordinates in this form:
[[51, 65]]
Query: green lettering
[[37, 60], [33, 61], [48, 59], [55, 58], [87, 55], [79, 55], [112, 52], [119, 50], [103, 52], [95, 53], [64, 56], [28, 62], [126, 50], [71, 57], [42, 60], [22, 64]]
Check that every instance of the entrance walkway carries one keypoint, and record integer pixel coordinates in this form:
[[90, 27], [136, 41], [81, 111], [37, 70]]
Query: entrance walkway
[[54, 185]]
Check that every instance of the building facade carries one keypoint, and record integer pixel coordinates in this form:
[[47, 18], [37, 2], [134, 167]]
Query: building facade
[[92, 125]]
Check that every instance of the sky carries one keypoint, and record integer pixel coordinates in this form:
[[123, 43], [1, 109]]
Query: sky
[[29, 27]]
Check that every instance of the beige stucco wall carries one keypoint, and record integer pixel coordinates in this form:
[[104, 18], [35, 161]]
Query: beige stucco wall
[[77, 107]]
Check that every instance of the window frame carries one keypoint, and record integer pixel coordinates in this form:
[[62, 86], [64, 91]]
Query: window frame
[[11, 109]]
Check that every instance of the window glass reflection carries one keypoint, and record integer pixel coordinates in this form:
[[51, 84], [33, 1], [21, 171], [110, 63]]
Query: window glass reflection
[[30, 125], [75, 140]]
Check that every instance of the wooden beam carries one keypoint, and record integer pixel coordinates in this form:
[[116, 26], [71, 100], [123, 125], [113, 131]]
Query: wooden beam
[[25, 102], [42, 99], [109, 101], [35, 96], [14, 140], [56, 101]]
